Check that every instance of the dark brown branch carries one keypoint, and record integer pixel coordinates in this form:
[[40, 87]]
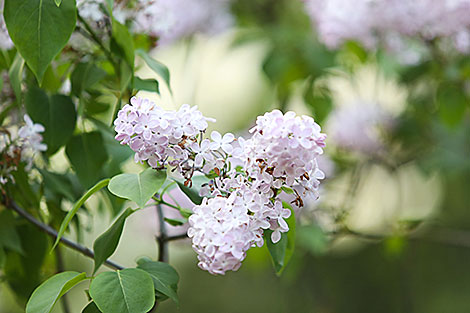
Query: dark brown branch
[[51, 232]]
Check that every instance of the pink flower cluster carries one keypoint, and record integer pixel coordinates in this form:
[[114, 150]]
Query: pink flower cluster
[[248, 177]]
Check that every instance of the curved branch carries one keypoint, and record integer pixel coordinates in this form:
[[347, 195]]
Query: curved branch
[[51, 232]]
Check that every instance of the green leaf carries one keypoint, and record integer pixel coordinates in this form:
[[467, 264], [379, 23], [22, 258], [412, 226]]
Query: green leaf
[[175, 221], [58, 2], [281, 252], [128, 291], [57, 114], [106, 244], [39, 29], [15, 73], [91, 308], [48, 293], [78, 205], [87, 155], [8, 235], [137, 187], [192, 194], [85, 76], [124, 41], [159, 68], [146, 84], [164, 276], [452, 103]]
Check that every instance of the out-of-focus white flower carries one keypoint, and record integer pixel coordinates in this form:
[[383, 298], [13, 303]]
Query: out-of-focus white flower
[[171, 20], [5, 40], [20, 147], [367, 104], [367, 21]]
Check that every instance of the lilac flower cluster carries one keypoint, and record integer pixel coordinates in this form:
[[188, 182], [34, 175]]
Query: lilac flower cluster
[[248, 177], [367, 21], [20, 147]]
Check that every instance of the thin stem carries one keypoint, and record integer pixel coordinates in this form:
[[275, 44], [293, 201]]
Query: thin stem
[[51, 232], [177, 237], [163, 202], [97, 40], [163, 255]]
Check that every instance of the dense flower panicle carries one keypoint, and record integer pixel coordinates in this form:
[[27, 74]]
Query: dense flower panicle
[[285, 147], [221, 231], [249, 177], [170, 20], [20, 147], [369, 20], [162, 137]]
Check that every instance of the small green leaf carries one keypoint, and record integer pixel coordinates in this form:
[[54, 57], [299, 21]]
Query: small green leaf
[[87, 155], [57, 114], [137, 187], [84, 76], [106, 244], [192, 194], [15, 73], [91, 308], [146, 84], [281, 252], [287, 190], [128, 291], [159, 68], [58, 2], [39, 29], [124, 41], [46, 295], [175, 221], [78, 205], [164, 276]]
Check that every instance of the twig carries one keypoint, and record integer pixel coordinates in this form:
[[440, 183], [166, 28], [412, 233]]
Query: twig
[[177, 237], [51, 232], [162, 238]]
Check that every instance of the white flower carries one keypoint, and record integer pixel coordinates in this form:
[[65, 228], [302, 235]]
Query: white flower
[[170, 20], [224, 143]]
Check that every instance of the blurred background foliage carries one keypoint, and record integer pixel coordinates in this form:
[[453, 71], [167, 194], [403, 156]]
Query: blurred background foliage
[[391, 231]]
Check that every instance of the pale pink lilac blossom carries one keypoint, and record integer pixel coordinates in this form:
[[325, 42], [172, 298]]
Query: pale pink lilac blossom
[[247, 177]]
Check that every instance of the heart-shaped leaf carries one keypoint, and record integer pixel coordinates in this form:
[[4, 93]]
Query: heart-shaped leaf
[[40, 29], [137, 187], [128, 291]]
